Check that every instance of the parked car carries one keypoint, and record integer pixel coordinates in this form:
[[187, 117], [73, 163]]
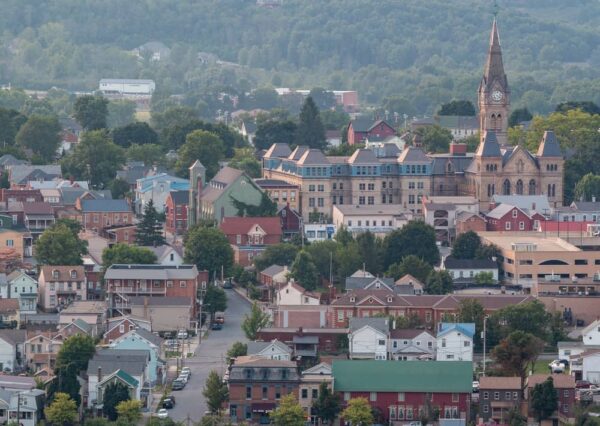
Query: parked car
[[187, 371], [556, 366], [220, 317], [183, 378], [216, 326], [177, 384], [227, 284], [583, 384], [475, 386], [162, 413], [172, 344], [182, 334], [168, 403]]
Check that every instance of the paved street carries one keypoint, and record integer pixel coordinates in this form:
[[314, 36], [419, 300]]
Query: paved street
[[210, 355]]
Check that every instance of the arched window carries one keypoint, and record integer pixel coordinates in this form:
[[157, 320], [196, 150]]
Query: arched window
[[532, 187], [520, 187], [489, 190], [506, 187], [493, 121], [498, 121], [553, 190]]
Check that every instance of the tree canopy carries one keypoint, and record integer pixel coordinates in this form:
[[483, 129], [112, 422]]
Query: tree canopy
[[72, 358], [358, 412], [401, 243], [254, 321], [544, 399], [310, 131], [215, 392], [62, 411], [59, 245], [149, 230], [208, 249], [463, 107], [121, 253], [204, 146], [40, 135], [466, 245], [91, 112], [288, 413]]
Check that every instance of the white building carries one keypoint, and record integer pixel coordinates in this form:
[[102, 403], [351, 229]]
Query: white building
[[368, 338], [379, 220], [124, 86], [454, 341], [441, 211], [11, 349], [23, 287], [466, 270], [412, 344], [318, 231], [157, 189], [166, 255], [271, 350], [295, 294]]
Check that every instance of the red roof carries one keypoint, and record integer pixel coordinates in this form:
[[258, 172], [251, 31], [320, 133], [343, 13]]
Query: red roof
[[243, 225]]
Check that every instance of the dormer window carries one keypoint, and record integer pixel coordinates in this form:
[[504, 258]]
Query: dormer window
[[377, 285], [55, 274], [73, 274], [352, 299], [389, 299]]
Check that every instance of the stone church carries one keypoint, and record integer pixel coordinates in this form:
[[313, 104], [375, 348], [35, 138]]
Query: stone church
[[499, 168]]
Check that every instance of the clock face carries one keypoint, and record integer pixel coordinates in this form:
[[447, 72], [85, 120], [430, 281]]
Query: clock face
[[497, 96]]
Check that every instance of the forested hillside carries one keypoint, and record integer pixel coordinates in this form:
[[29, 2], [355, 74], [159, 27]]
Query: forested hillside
[[420, 53]]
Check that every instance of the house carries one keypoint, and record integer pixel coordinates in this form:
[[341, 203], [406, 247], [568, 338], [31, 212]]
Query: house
[[77, 326], [379, 220], [399, 390], [411, 344], [16, 383], [9, 312], [368, 338], [176, 212], [20, 175], [250, 236], [507, 217], [10, 160], [328, 338], [143, 339], [295, 294], [294, 306], [441, 212], [41, 349], [364, 280], [27, 406], [156, 281], [15, 244], [61, 285], [248, 130], [220, 198], [275, 276], [407, 284], [565, 389], [291, 221], [119, 233], [461, 126], [279, 191], [454, 341], [166, 255], [497, 397], [12, 350], [132, 171], [469, 221], [318, 231], [118, 326], [257, 384], [21, 195], [362, 128], [92, 312], [590, 335], [130, 367], [157, 188], [100, 213], [586, 365], [465, 271], [169, 313], [271, 350], [23, 287], [578, 211], [310, 385]]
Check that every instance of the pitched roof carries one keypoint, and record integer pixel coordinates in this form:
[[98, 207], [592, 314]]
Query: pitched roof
[[590, 327], [20, 173], [180, 197], [297, 153], [379, 324], [9, 306], [586, 206], [494, 68], [313, 157], [561, 381], [502, 210], [220, 182], [452, 263], [413, 154], [151, 337], [549, 146], [126, 377], [378, 122], [490, 382], [394, 376], [69, 196], [489, 147], [537, 203], [255, 348], [363, 156], [408, 333], [353, 283], [278, 150], [243, 225], [272, 270], [257, 361], [466, 328], [13, 336], [64, 272], [105, 206], [38, 208], [10, 160], [362, 124]]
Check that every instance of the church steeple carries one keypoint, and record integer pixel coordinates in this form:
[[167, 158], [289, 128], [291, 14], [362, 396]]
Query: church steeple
[[494, 68]]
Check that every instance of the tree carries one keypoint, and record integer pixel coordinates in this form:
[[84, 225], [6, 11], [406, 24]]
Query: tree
[[410, 265], [401, 242], [435, 138], [113, 395], [129, 411], [310, 131], [530, 317], [137, 133], [120, 113], [327, 405], [466, 245], [40, 135], [254, 321], [10, 123], [288, 413], [124, 253], [471, 311], [588, 188], [323, 99], [485, 278], [119, 188], [279, 254], [585, 106], [149, 154], [149, 231], [304, 271], [209, 250], [204, 146], [465, 108], [517, 353], [544, 399], [274, 131], [215, 392], [72, 358], [358, 412], [237, 349], [245, 161], [91, 112], [59, 245], [334, 119], [515, 418], [488, 251], [438, 282], [74, 225], [343, 236], [518, 116], [214, 299], [370, 249], [95, 158], [62, 411], [266, 207]]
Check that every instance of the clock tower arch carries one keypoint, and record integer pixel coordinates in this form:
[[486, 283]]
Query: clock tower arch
[[494, 93]]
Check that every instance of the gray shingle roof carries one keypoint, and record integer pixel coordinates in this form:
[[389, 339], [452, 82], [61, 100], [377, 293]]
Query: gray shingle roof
[[272, 270], [151, 337], [538, 203], [298, 152], [69, 196], [362, 124], [413, 154], [549, 146], [22, 173], [278, 150], [586, 206], [353, 283], [225, 177], [376, 323], [105, 206], [452, 263], [313, 156], [363, 156], [489, 147]]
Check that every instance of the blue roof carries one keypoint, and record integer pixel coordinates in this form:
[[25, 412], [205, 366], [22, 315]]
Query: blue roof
[[105, 206], [175, 183], [466, 328]]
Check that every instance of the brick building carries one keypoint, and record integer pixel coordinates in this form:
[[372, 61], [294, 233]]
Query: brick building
[[176, 212], [250, 236], [22, 195], [565, 389], [361, 129], [497, 396], [99, 214]]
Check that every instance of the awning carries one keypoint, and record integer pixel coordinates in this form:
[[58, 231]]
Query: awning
[[306, 339], [263, 407]]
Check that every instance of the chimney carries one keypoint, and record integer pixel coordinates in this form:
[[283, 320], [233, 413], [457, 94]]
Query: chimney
[[458, 149], [593, 198], [532, 206], [99, 374]]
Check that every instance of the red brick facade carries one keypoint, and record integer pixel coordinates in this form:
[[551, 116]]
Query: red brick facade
[[380, 128], [22, 195], [120, 234], [176, 212], [250, 236], [515, 220]]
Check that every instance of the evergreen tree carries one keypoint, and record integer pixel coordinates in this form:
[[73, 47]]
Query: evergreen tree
[[327, 405], [113, 395], [215, 392], [544, 399], [149, 231], [304, 271], [310, 131]]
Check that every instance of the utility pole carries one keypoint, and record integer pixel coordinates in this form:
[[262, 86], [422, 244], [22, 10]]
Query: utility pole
[[484, 339]]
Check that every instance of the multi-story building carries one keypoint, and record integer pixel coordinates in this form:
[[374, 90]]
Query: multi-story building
[[250, 236], [497, 396], [99, 214], [256, 386], [565, 390], [176, 212], [310, 386], [379, 220], [61, 285], [126, 281], [157, 188], [281, 192]]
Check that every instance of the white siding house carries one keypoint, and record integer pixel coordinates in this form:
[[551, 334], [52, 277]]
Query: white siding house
[[294, 294], [368, 338], [455, 341], [271, 350]]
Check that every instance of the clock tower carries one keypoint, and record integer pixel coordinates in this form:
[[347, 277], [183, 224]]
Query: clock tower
[[494, 94]]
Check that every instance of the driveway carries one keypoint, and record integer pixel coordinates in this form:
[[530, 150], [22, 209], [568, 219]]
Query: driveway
[[210, 355]]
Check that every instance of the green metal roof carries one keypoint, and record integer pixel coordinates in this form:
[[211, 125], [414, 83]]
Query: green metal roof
[[126, 377], [402, 376]]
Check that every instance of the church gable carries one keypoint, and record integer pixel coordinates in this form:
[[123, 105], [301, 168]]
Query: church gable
[[520, 161]]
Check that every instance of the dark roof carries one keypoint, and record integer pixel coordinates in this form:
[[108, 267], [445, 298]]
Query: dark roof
[[105, 206], [452, 263], [250, 126], [549, 146], [413, 154], [494, 68], [489, 147], [408, 333], [586, 206], [69, 196], [278, 150], [36, 207], [363, 156], [313, 157], [151, 337], [376, 323], [180, 197], [353, 283], [13, 336], [272, 270], [362, 124], [378, 122]]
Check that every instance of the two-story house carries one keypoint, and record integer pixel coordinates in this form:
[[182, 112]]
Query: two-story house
[[41, 350], [11, 349], [497, 397], [455, 341], [294, 306], [466, 271], [272, 350], [38, 217], [565, 390], [310, 386], [176, 212], [368, 338], [583, 354], [145, 340], [23, 287], [27, 406], [119, 326], [250, 236], [256, 386], [61, 285], [97, 215], [412, 344]]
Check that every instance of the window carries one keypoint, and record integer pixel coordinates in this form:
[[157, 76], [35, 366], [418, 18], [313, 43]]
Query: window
[[371, 200], [486, 408], [400, 412], [371, 187], [334, 186], [233, 411], [515, 395], [346, 396], [443, 343], [392, 412], [311, 202], [321, 188], [381, 342], [507, 226], [248, 392], [169, 283], [373, 396], [321, 202], [55, 274], [507, 395], [265, 392], [521, 226], [486, 395], [10, 243], [454, 397], [514, 213], [361, 186], [361, 200], [566, 393], [496, 395], [315, 393], [427, 316], [238, 239], [409, 413], [277, 391], [122, 328], [311, 188]]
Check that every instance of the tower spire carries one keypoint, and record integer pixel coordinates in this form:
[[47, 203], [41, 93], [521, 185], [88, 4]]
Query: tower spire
[[494, 67]]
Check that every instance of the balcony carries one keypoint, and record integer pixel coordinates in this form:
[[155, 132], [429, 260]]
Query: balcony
[[137, 290]]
